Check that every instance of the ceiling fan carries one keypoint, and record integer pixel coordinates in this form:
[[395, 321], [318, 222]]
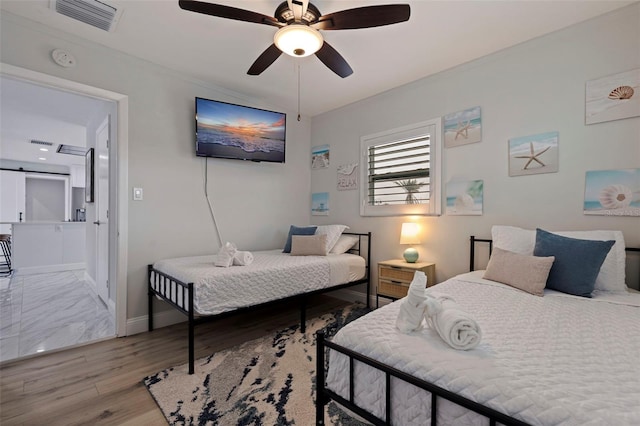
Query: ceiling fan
[[299, 23]]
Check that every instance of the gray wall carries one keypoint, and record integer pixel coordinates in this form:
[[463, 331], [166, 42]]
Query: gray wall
[[254, 203], [44, 199], [535, 87]]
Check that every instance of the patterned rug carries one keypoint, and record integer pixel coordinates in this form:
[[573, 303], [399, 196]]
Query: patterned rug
[[267, 381]]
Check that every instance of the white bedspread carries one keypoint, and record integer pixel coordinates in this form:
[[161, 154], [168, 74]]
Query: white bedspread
[[272, 275], [552, 360]]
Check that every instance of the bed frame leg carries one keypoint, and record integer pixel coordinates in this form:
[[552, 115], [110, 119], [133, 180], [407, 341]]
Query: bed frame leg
[[320, 398], [191, 331], [303, 314], [150, 298]]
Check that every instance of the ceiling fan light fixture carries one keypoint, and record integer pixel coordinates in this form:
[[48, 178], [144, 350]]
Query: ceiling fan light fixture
[[298, 40]]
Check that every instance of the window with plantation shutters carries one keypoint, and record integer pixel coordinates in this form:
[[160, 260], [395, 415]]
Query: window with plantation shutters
[[400, 173]]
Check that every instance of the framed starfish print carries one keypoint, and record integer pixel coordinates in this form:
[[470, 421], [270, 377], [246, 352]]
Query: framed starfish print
[[462, 127], [530, 155]]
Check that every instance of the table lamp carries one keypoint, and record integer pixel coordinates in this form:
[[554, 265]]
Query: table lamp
[[409, 235]]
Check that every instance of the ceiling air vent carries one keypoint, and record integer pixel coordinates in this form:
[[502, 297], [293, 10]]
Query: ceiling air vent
[[71, 150], [37, 142], [92, 12]]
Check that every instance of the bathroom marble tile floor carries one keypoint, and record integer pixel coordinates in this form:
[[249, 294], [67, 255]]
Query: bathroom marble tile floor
[[43, 312]]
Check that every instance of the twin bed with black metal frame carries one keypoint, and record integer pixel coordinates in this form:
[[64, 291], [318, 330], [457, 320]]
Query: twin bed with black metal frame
[[386, 379], [182, 295]]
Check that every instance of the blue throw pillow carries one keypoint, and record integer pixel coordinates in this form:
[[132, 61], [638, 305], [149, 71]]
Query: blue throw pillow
[[577, 262], [297, 230]]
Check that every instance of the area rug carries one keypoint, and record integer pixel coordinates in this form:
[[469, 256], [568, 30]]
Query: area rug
[[267, 381]]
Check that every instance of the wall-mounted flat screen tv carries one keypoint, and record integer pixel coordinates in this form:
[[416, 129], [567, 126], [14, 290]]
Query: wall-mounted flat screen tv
[[225, 130]]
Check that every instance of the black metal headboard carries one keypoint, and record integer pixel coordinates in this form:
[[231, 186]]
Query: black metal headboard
[[472, 249]]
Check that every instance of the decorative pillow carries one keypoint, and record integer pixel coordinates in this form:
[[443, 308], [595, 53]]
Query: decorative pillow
[[577, 262], [527, 273], [309, 245], [333, 233], [612, 273], [344, 244], [297, 230]]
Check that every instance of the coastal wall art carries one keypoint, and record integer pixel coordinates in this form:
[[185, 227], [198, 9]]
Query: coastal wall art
[[462, 127], [348, 177], [612, 192], [320, 204], [613, 97], [529, 155], [320, 157], [465, 198]]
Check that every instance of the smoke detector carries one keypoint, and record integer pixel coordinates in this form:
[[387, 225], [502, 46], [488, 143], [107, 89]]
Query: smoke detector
[[93, 12]]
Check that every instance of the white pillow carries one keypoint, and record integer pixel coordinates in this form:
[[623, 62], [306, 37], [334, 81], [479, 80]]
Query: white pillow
[[344, 244], [332, 232], [612, 273]]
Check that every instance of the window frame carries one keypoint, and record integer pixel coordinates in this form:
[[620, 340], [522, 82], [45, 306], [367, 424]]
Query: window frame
[[433, 128]]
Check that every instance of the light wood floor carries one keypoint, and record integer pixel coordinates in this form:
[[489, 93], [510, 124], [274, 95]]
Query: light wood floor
[[101, 383]]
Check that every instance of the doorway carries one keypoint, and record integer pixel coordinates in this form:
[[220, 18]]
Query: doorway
[[114, 186]]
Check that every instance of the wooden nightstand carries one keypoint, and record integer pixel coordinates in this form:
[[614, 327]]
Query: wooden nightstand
[[394, 277]]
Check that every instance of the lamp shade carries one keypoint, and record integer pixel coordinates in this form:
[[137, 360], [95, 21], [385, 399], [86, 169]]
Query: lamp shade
[[298, 40], [409, 233]]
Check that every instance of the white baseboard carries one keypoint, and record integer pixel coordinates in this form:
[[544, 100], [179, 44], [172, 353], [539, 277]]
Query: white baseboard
[[30, 270], [160, 319]]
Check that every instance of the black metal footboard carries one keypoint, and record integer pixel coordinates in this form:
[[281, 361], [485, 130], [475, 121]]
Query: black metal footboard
[[180, 295], [324, 395]]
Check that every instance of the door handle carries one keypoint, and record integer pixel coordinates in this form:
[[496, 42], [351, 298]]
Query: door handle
[[97, 222]]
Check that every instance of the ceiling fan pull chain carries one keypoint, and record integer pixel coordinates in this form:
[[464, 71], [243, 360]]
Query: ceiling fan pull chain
[[298, 92]]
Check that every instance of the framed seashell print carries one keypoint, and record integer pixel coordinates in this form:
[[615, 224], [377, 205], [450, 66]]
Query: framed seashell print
[[613, 97], [612, 192], [465, 198]]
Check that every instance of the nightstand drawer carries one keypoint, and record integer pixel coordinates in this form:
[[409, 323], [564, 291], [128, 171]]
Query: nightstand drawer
[[398, 274], [392, 289]]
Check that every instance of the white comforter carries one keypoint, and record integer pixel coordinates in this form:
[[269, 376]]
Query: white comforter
[[272, 275], [552, 360]]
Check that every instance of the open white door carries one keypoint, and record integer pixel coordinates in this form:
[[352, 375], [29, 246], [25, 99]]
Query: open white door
[[101, 163]]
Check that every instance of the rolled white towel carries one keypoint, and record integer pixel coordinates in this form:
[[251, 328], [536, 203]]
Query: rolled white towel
[[225, 256], [455, 326], [242, 258], [412, 308]]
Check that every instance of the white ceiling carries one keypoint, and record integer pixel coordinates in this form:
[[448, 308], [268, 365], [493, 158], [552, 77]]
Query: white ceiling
[[439, 35], [29, 111]]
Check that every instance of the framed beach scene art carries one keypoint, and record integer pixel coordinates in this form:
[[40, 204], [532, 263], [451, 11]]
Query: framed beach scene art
[[530, 155], [465, 198], [320, 157], [613, 97], [320, 204], [462, 127], [612, 192]]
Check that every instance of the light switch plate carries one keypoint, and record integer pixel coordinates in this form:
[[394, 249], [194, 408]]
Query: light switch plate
[[137, 194]]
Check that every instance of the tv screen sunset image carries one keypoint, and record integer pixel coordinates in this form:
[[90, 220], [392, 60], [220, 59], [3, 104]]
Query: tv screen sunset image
[[234, 131]]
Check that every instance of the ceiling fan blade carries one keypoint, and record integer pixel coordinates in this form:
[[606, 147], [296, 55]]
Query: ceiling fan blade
[[228, 12], [333, 60], [364, 17], [265, 60]]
